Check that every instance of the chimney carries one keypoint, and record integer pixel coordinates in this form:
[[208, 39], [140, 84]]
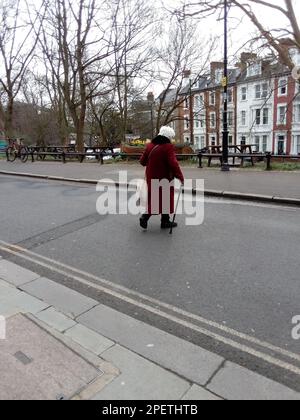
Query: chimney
[[186, 77], [214, 66], [150, 97], [246, 59]]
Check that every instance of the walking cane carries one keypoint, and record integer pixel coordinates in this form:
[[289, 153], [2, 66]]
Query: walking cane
[[174, 217]]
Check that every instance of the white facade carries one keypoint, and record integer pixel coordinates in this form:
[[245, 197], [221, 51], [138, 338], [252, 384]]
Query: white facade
[[255, 115], [199, 121], [296, 123]]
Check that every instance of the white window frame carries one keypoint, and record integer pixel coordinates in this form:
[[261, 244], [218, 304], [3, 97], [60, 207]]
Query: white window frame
[[244, 93], [263, 116], [230, 118], [243, 118], [296, 113], [211, 139], [285, 80], [202, 142], [230, 95], [278, 135], [211, 120], [254, 69], [296, 144], [255, 117], [279, 122], [212, 95]]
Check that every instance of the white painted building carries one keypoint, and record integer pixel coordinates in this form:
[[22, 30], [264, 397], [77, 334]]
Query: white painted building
[[255, 102]]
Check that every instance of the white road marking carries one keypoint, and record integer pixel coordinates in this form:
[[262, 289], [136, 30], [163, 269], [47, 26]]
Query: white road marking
[[49, 264]]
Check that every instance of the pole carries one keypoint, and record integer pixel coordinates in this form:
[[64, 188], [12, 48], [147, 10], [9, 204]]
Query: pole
[[176, 210], [225, 165], [191, 114]]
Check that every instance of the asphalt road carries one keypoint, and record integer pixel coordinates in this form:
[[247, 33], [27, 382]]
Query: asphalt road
[[240, 268]]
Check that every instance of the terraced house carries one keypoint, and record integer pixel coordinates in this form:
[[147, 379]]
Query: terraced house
[[263, 107]]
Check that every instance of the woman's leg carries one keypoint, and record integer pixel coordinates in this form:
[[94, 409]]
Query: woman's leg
[[144, 220]]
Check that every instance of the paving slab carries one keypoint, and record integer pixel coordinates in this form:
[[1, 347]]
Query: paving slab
[[15, 274], [13, 301], [182, 357], [197, 393], [236, 383], [89, 339], [62, 298], [36, 366], [56, 319], [140, 379]]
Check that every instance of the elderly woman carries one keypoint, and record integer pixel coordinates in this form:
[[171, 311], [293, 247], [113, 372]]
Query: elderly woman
[[161, 162]]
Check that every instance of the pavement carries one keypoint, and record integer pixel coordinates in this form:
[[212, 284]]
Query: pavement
[[61, 344], [279, 187]]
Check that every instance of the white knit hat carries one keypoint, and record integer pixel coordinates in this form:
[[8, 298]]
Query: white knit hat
[[167, 132]]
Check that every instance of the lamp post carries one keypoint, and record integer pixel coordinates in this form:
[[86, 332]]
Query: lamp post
[[225, 164]]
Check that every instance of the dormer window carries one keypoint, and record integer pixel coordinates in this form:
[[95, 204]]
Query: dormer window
[[254, 69]]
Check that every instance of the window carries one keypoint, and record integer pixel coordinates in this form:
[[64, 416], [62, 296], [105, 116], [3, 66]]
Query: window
[[197, 123], [197, 140], [297, 145], [257, 143], [202, 120], [186, 103], [230, 140], [281, 115], [243, 140], [244, 93], [199, 101], [265, 90], [265, 143], [257, 91], [261, 91], [281, 145], [254, 70], [202, 142], [230, 118], [297, 113], [186, 124], [230, 96], [212, 120], [282, 87], [265, 116], [244, 118], [212, 98], [213, 140], [257, 116]]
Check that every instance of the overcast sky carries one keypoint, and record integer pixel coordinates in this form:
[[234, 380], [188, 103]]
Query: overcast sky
[[241, 28]]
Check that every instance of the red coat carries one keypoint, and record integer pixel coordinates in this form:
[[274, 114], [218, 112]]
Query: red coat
[[161, 164]]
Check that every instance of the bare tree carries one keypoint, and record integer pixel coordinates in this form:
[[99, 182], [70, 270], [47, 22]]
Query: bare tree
[[273, 37], [17, 46], [176, 54], [132, 28], [80, 59]]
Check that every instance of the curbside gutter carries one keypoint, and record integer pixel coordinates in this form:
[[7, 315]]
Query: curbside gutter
[[207, 193]]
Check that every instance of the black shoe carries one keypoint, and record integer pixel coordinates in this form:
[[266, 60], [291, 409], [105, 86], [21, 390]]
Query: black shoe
[[168, 225], [144, 222]]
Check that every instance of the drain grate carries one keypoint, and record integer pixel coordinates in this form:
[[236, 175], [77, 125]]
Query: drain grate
[[23, 358]]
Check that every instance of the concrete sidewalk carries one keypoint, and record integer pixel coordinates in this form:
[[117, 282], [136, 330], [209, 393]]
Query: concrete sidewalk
[[63, 345], [269, 184]]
